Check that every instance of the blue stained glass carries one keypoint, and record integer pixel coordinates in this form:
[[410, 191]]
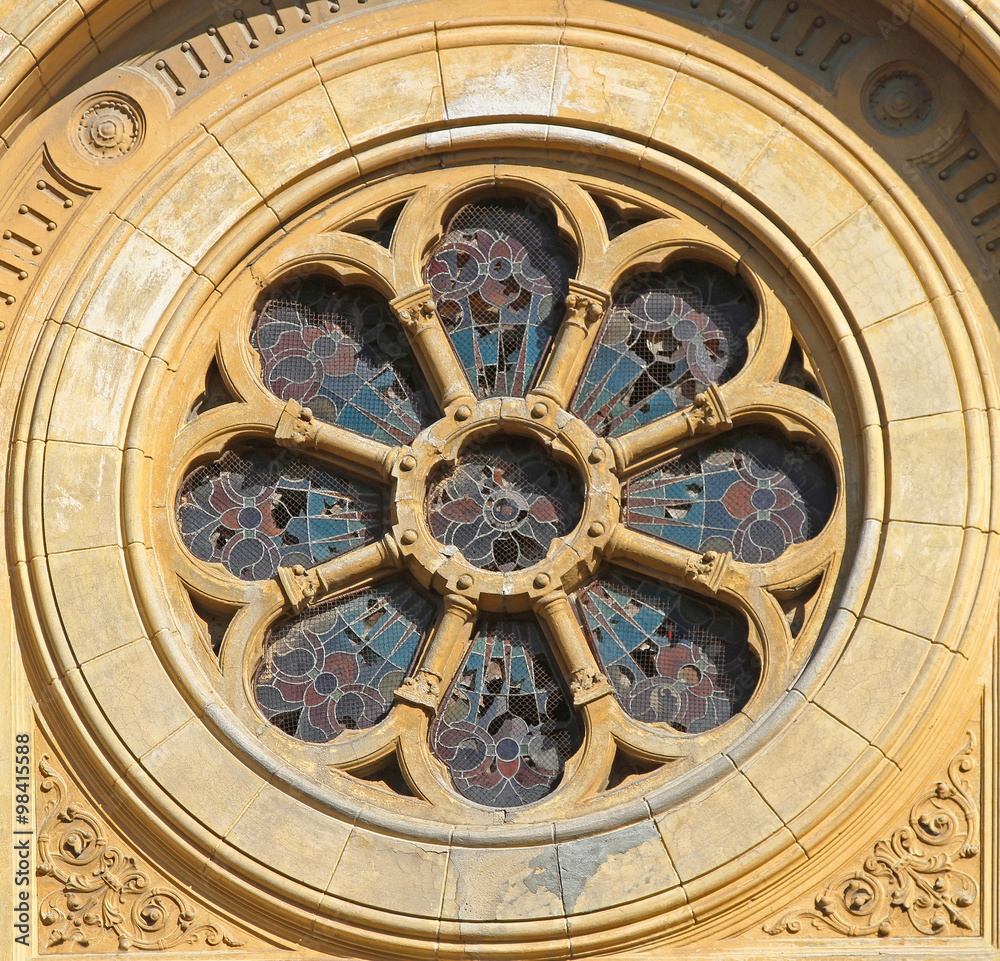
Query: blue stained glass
[[751, 492], [342, 353], [665, 339], [261, 508], [336, 667], [670, 656], [499, 279], [507, 724]]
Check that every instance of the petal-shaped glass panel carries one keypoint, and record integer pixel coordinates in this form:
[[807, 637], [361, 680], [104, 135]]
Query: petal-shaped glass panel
[[499, 279], [341, 352], [335, 667], [507, 725], [667, 337], [751, 492], [260, 508], [502, 503], [669, 655]]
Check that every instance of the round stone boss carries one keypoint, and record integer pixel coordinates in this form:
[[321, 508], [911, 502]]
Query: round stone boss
[[812, 211]]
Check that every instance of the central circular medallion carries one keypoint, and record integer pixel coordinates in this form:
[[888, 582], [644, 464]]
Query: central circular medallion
[[502, 503]]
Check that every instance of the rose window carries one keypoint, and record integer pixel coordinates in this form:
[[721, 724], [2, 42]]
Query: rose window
[[491, 499]]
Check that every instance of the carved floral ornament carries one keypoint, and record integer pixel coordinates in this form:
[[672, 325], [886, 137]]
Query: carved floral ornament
[[497, 518], [515, 530], [915, 875], [102, 895]]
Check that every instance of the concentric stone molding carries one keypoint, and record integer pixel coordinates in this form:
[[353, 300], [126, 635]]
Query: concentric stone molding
[[46, 42], [803, 200]]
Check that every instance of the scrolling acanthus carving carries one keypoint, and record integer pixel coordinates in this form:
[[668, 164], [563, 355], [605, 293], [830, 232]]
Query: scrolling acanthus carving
[[911, 874], [101, 892]]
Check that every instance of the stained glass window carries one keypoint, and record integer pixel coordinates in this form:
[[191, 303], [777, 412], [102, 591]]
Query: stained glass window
[[341, 352], [669, 655], [499, 279], [751, 493], [335, 667], [507, 725], [255, 509], [666, 338], [503, 502], [500, 514]]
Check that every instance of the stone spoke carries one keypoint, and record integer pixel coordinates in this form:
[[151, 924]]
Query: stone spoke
[[585, 306], [298, 429], [303, 586], [443, 655], [433, 350], [586, 680], [710, 572], [653, 442]]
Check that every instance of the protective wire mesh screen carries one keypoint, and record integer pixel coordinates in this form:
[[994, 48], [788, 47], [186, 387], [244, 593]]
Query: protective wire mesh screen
[[667, 337], [750, 492], [506, 726], [499, 280], [670, 656], [335, 668], [502, 503], [256, 509], [341, 352]]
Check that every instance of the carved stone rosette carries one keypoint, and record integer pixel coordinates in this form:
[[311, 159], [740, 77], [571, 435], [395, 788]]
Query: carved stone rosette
[[101, 893], [910, 875], [110, 126]]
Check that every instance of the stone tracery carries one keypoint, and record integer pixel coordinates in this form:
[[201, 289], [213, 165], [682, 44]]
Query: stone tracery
[[512, 504]]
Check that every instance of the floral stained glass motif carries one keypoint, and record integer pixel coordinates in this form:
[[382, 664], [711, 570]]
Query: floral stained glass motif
[[341, 352], [263, 507], [750, 492], [336, 667], [502, 504], [670, 657], [665, 339], [499, 279], [507, 725]]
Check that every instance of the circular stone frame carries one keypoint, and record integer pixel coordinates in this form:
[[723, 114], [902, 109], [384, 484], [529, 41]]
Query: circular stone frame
[[568, 560], [821, 209]]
